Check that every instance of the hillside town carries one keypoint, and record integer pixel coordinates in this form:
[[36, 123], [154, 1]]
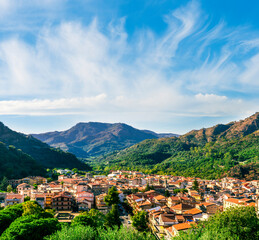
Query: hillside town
[[173, 203]]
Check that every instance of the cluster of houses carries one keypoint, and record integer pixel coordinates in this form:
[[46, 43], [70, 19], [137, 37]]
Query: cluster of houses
[[168, 213]]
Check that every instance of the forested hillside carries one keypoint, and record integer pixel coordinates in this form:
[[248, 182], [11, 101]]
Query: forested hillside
[[207, 153], [45, 155], [16, 164]]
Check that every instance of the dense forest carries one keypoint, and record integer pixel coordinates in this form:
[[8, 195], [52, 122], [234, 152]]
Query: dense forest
[[22, 155], [16, 164], [207, 153]]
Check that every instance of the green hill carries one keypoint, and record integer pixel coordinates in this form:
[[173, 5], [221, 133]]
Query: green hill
[[16, 164], [206, 153], [45, 155]]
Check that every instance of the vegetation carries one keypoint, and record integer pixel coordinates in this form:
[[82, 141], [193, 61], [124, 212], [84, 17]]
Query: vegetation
[[16, 164], [89, 233], [180, 156], [233, 224], [25, 155], [112, 197], [30, 228], [139, 221], [112, 218], [93, 218]]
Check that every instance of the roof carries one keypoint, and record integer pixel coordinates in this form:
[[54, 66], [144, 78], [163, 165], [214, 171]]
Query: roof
[[182, 226], [193, 211], [159, 197]]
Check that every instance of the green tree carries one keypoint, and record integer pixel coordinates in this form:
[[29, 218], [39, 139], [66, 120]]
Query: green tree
[[27, 198], [112, 218], [30, 228], [195, 185], [139, 221], [233, 224], [112, 197], [167, 193], [93, 218], [8, 215], [31, 207], [9, 188], [4, 184], [74, 233]]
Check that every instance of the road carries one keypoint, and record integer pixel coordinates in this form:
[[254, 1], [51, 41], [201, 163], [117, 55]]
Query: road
[[124, 216]]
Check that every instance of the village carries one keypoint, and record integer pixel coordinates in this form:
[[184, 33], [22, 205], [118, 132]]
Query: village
[[173, 203]]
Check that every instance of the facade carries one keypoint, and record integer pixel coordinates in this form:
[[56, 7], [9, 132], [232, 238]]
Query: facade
[[63, 202]]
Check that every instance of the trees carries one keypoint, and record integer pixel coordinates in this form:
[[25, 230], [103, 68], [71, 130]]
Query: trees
[[167, 193], [9, 188], [4, 184], [139, 221], [30, 228], [112, 197], [112, 218], [31, 207], [232, 224], [195, 185], [93, 218], [8, 215], [89, 233]]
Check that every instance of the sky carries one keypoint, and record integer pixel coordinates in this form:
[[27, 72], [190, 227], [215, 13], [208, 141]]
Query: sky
[[163, 65]]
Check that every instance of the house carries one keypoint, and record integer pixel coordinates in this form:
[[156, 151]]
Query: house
[[13, 198], [24, 189], [63, 202], [207, 207], [195, 213], [181, 208], [160, 200], [101, 204], [234, 202], [175, 229]]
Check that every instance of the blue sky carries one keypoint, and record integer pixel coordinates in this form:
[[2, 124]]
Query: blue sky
[[163, 65]]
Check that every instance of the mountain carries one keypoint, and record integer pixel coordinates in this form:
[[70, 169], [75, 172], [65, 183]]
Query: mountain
[[95, 138], [225, 131], [207, 153], [45, 155]]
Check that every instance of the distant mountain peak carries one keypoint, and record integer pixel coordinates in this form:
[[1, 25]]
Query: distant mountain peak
[[96, 138]]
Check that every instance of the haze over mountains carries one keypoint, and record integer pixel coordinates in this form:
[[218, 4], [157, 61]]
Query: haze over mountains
[[94, 138]]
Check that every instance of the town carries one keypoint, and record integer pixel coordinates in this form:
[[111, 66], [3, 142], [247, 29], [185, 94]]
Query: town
[[172, 203]]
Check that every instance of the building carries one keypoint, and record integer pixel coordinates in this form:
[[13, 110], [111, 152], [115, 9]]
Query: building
[[13, 198], [63, 202]]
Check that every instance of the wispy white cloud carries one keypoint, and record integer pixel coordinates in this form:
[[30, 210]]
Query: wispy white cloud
[[75, 67]]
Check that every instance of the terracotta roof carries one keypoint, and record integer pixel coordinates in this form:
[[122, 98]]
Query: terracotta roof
[[182, 226], [193, 211], [159, 197]]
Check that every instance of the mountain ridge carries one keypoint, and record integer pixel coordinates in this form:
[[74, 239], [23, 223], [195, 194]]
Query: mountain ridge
[[90, 139], [207, 153]]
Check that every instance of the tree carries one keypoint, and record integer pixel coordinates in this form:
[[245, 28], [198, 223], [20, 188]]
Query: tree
[[9, 188], [232, 224], [30, 228], [167, 193], [33, 208], [112, 218], [27, 198], [139, 221], [93, 218], [195, 185], [4, 184], [35, 186], [112, 197], [8, 215]]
